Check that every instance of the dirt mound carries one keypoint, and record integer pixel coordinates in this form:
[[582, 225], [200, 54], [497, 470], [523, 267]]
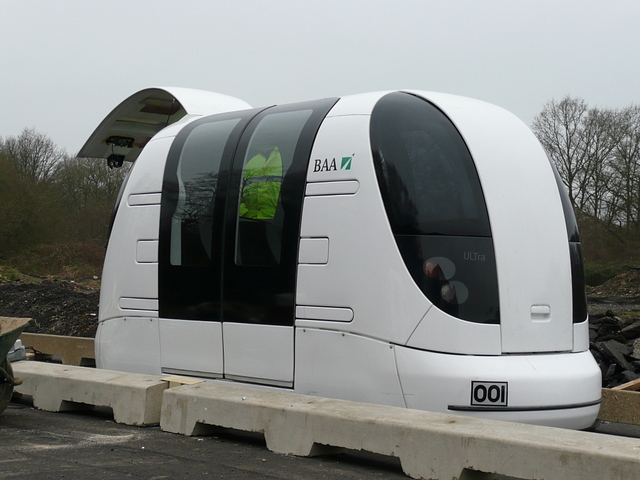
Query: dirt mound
[[55, 307], [624, 287]]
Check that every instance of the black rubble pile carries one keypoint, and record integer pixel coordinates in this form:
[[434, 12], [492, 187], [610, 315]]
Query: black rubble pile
[[55, 307], [615, 344]]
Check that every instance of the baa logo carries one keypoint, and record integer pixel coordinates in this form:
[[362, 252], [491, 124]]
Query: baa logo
[[327, 165]]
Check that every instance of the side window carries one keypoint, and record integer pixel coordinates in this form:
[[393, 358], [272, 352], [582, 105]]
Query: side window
[[260, 214], [197, 180]]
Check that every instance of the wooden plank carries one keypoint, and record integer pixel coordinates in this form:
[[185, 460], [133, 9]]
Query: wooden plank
[[632, 385], [177, 380], [620, 406], [71, 350]]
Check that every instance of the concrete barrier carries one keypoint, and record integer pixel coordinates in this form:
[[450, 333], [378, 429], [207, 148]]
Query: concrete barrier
[[71, 350], [429, 445], [135, 399]]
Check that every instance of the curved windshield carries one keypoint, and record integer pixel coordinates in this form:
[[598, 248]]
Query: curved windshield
[[426, 174], [434, 202]]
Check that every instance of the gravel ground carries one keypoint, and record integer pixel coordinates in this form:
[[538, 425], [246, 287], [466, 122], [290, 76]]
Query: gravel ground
[[55, 307], [597, 305]]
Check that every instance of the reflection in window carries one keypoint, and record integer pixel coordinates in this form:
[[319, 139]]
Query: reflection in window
[[260, 214], [426, 174], [198, 168]]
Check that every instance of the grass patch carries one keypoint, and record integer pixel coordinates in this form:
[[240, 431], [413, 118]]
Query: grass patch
[[8, 274], [596, 274], [71, 261]]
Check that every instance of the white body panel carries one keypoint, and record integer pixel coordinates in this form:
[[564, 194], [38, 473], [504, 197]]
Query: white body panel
[[440, 332], [322, 358], [435, 382], [138, 219], [390, 305], [258, 353], [191, 348], [527, 224], [581, 336], [129, 344], [147, 112]]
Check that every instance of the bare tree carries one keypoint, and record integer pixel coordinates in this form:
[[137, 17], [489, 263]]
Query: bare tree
[[582, 143], [562, 129], [34, 155], [604, 131], [85, 182], [29, 213], [626, 168]]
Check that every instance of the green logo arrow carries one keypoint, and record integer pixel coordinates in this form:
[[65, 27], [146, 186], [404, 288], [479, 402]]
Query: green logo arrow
[[346, 163]]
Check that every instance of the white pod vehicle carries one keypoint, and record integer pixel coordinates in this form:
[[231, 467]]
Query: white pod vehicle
[[409, 248]]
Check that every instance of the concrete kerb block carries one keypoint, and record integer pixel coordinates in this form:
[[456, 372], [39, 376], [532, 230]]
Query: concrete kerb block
[[135, 399], [429, 445]]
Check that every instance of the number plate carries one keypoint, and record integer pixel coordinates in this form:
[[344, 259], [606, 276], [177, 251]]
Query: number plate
[[489, 394]]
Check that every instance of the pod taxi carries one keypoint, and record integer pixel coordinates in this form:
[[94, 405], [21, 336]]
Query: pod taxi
[[405, 248]]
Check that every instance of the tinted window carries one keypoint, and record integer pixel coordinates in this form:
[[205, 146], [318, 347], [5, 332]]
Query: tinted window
[[194, 196], [579, 292], [197, 177], [569, 216], [260, 214], [426, 174], [434, 202], [457, 274]]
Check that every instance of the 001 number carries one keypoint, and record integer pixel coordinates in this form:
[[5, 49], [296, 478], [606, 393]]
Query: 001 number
[[489, 393]]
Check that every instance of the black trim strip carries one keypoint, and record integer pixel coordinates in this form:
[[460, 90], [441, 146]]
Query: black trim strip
[[466, 408]]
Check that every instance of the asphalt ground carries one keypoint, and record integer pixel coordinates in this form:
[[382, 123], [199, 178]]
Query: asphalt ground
[[89, 444]]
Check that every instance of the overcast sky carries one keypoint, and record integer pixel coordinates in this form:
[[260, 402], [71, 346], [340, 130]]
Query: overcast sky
[[67, 63]]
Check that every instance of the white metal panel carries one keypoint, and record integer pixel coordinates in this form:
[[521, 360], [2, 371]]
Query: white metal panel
[[122, 275], [331, 314], [262, 353], [441, 332], [350, 367], [129, 303], [313, 250], [148, 171], [147, 251], [130, 344], [527, 223], [365, 271], [348, 187], [140, 117], [203, 102], [433, 381], [193, 347], [581, 336], [360, 104], [138, 199]]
